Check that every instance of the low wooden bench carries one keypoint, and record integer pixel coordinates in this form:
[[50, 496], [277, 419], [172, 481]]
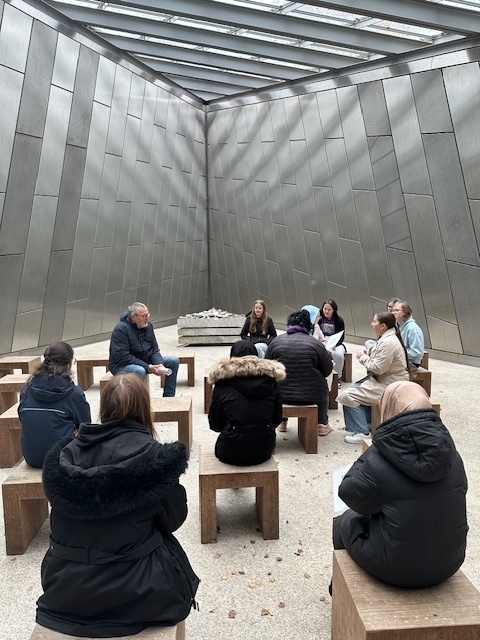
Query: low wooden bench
[[207, 392], [423, 377], [26, 364], [150, 633], [375, 419], [85, 364], [307, 415], [333, 393], [25, 507], [189, 360], [10, 386], [10, 435], [365, 609], [179, 410], [347, 368], [214, 475], [425, 360]]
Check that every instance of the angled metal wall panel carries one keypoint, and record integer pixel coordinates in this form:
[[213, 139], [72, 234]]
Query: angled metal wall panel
[[15, 34], [69, 198], [83, 250], [357, 285], [106, 200], [431, 102], [126, 181], [56, 296], [105, 82], [97, 291], [74, 319], [316, 266], [9, 287], [97, 141], [11, 83], [464, 282], [374, 109], [66, 61], [118, 117], [27, 330], [327, 224], [119, 246], [317, 158], [462, 84], [83, 93], [342, 189]]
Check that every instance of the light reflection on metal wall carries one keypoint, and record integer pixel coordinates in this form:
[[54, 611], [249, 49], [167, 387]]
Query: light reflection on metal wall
[[102, 188], [362, 192]]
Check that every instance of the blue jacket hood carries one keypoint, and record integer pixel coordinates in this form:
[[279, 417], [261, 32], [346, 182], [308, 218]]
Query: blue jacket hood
[[50, 388]]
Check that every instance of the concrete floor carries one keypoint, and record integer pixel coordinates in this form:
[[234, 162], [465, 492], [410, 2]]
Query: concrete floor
[[252, 588]]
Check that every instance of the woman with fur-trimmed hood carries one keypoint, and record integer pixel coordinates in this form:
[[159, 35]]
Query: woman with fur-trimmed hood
[[246, 405]]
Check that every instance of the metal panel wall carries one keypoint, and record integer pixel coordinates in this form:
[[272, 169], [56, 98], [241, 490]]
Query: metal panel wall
[[368, 188], [83, 187]]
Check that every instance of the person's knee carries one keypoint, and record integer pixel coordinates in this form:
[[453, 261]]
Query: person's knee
[[134, 368], [172, 362]]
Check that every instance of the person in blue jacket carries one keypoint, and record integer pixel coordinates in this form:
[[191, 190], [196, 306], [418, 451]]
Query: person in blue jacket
[[51, 406], [411, 333]]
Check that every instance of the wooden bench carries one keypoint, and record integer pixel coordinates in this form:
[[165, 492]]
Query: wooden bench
[[375, 420], [365, 609], [189, 360], [150, 633], [425, 360], [175, 410], [10, 435], [207, 392], [85, 364], [25, 507], [27, 364], [10, 386], [423, 377], [307, 415], [333, 393], [347, 368], [214, 475]]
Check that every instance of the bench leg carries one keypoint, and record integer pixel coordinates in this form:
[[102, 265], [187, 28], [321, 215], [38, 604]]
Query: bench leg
[[10, 450], [347, 368], [9, 398], [332, 396], [185, 431], [266, 499], [84, 376], [23, 518], [307, 433], [208, 510], [207, 395], [191, 373]]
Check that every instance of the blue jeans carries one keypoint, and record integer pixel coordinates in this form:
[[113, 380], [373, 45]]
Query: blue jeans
[[171, 362], [261, 348], [357, 419]]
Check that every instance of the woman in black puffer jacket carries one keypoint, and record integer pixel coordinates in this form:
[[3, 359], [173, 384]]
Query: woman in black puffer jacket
[[407, 523], [246, 405]]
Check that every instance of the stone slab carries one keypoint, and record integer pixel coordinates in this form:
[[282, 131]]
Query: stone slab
[[217, 331], [208, 339], [229, 321]]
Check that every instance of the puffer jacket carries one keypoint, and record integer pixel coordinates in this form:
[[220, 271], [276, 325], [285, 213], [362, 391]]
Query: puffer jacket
[[113, 566], [385, 363], [50, 409], [246, 407], [407, 523], [307, 363], [131, 345]]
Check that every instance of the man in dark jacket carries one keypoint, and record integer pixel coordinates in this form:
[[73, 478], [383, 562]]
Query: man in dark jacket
[[307, 362], [134, 349]]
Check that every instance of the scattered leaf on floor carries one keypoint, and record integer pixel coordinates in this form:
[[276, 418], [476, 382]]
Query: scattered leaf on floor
[[224, 577], [266, 612], [281, 605], [232, 613]]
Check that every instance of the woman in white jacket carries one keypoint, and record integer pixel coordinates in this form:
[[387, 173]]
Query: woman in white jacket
[[385, 362]]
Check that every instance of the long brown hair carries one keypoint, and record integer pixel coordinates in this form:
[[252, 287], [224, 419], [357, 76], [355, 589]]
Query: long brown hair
[[57, 361], [253, 318], [388, 319], [124, 397]]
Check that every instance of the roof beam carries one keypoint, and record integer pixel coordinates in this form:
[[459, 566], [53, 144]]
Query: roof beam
[[268, 22], [205, 38], [205, 58], [414, 12]]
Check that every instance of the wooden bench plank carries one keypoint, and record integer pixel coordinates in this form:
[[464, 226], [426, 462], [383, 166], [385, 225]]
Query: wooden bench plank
[[214, 475], [178, 409], [347, 368], [365, 609], [307, 415], [85, 364], [423, 377], [189, 360], [25, 507], [150, 633], [10, 436], [10, 386], [27, 364]]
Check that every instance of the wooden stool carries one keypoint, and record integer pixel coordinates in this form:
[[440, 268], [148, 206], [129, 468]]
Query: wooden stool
[[207, 392], [150, 633], [10, 385], [347, 368], [27, 364], [333, 393], [214, 475], [10, 435], [175, 410], [375, 420], [307, 415], [425, 360], [189, 360], [423, 377], [25, 507], [365, 609], [85, 364]]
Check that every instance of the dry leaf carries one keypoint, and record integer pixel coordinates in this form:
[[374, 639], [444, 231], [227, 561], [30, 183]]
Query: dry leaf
[[252, 585], [217, 555], [252, 541], [279, 559], [224, 577], [232, 613], [272, 579], [233, 572], [266, 612], [29, 588], [307, 575], [266, 555], [281, 605], [258, 582], [299, 552], [242, 573]]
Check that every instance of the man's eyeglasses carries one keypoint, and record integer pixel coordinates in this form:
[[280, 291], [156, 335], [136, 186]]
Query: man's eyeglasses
[[142, 315]]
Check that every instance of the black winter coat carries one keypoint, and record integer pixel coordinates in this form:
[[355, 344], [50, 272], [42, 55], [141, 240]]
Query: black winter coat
[[50, 409], [113, 567], [131, 345], [307, 362], [246, 407], [258, 335], [407, 523]]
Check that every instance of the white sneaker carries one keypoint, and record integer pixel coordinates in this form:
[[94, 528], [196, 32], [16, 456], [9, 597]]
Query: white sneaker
[[356, 438]]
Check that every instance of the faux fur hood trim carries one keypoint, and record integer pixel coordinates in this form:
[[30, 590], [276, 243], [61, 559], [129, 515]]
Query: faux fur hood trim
[[100, 493], [246, 367]]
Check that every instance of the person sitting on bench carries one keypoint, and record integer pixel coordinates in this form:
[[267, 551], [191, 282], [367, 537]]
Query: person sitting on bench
[[407, 523], [113, 566], [246, 405]]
